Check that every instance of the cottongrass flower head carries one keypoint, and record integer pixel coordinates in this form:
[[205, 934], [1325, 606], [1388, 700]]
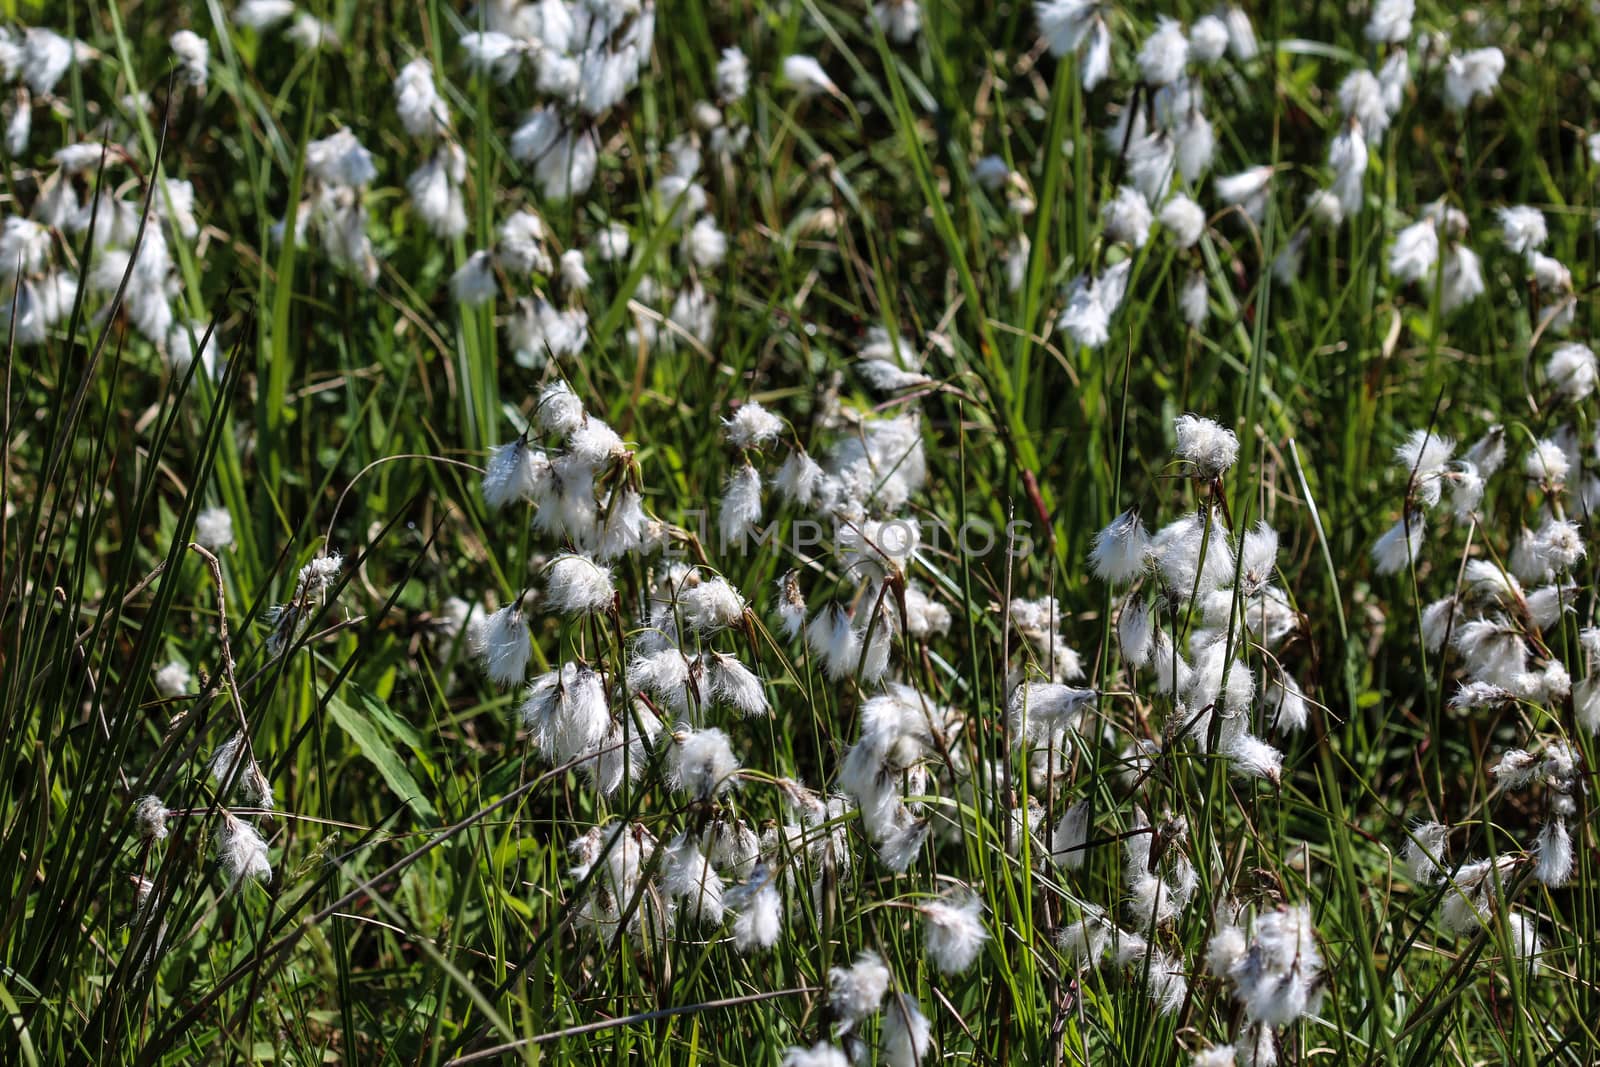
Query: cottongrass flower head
[[855, 992], [791, 606], [194, 56], [1469, 75], [242, 851], [1390, 21], [1246, 189], [1077, 26], [560, 412], [1091, 302], [1208, 39], [1069, 839], [1425, 458], [701, 762], [740, 508], [150, 817], [733, 74], [953, 931], [565, 713], [1194, 300], [311, 585], [232, 761], [1165, 52], [1127, 217], [806, 75], [899, 19], [516, 472], [1460, 278], [1192, 554], [474, 282], [1399, 545], [1522, 228], [712, 604], [757, 908], [1415, 251], [213, 528], [577, 585], [1214, 1056], [835, 642], [1553, 853], [503, 645], [1547, 464], [1276, 976], [735, 685], [693, 883], [1184, 219], [423, 112], [889, 361], [1571, 371], [1211, 448], [821, 1054], [173, 680], [907, 1033]]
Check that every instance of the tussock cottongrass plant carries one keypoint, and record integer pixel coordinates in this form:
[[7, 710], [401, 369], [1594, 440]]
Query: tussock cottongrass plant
[[798, 536]]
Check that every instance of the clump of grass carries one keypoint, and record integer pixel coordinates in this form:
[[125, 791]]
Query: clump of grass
[[799, 535]]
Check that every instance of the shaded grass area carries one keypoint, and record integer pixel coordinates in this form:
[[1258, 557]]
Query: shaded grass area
[[421, 907]]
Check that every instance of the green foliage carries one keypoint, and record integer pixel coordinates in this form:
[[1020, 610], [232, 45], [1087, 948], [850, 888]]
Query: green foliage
[[421, 907]]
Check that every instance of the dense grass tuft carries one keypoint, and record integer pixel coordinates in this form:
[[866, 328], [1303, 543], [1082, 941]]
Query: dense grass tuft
[[879, 546]]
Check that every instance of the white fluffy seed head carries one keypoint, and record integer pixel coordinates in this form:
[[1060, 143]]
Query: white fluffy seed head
[[1193, 555], [1127, 217], [821, 1054], [503, 645], [596, 444], [577, 585], [758, 914], [752, 426], [1184, 219], [1214, 1056], [791, 605], [1121, 551], [242, 851], [1425, 851], [1254, 758], [736, 685], [1469, 75], [560, 412], [834, 641], [1415, 251], [565, 713], [1399, 545], [1522, 932], [1210, 447], [691, 880], [740, 508], [712, 605], [953, 931], [702, 763], [1069, 841], [1522, 228], [150, 817], [799, 479], [1553, 854], [213, 528], [805, 74], [173, 680], [1547, 464], [855, 992], [422, 110], [907, 1033], [1165, 51]]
